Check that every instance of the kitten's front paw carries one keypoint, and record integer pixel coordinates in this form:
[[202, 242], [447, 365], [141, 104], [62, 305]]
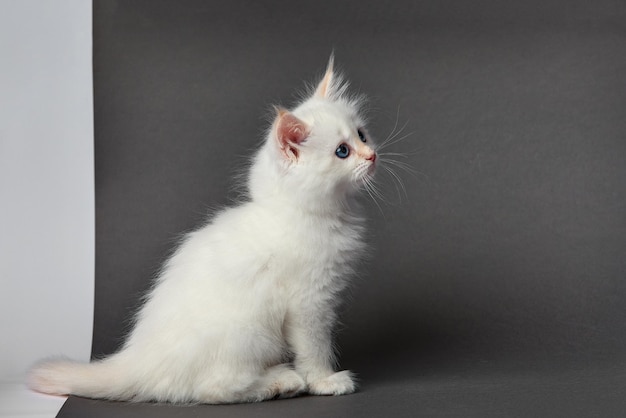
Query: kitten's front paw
[[340, 383]]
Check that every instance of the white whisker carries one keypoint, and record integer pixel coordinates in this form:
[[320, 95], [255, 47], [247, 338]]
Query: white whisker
[[400, 154], [405, 167], [398, 181], [390, 163], [395, 140], [391, 138], [373, 192], [395, 125]]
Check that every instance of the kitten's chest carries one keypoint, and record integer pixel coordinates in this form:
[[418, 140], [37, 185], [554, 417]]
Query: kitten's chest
[[323, 250]]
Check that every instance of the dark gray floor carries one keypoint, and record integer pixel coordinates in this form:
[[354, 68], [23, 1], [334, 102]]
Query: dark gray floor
[[496, 286], [597, 393]]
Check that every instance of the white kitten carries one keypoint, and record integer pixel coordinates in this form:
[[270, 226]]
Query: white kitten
[[244, 310]]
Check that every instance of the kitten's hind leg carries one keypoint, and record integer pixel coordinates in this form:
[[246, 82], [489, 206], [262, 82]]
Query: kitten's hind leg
[[280, 382], [227, 387]]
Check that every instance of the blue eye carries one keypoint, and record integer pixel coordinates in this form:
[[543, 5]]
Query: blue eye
[[361, 135], [342, 151]]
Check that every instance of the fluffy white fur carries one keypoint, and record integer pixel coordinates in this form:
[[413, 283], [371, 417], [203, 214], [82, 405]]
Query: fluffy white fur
[[245, 308]]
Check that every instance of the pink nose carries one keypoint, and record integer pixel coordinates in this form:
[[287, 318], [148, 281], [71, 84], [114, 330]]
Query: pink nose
[[371, 157]]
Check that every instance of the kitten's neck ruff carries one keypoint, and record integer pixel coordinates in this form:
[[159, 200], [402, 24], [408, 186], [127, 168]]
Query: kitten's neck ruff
[[325, 208]]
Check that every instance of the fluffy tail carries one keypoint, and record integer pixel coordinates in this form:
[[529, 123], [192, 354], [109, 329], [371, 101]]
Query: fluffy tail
[[100, 379]]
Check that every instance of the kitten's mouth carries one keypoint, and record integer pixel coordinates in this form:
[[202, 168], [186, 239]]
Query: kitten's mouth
[[371, 167], [372, 163], [365, 172]]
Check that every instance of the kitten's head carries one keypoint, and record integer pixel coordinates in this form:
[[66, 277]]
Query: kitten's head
[[320, 152]]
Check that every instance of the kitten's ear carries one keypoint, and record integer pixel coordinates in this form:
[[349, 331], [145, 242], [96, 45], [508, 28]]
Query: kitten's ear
[[289, 132], [325, 86]]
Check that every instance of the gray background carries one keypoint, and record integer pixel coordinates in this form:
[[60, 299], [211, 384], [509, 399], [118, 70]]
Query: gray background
[[496, 286]]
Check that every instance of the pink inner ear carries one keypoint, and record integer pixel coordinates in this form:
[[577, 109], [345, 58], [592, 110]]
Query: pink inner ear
[[290, 131]]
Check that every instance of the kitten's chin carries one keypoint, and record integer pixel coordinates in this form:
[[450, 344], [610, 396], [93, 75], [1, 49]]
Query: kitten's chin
[[368, 176], [364, 182]]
